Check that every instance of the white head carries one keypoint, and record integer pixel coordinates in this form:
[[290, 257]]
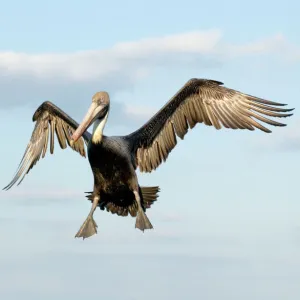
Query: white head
[[98, 111]]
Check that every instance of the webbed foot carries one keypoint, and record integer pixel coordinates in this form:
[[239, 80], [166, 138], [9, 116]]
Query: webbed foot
[[88, 228], [142, 221]]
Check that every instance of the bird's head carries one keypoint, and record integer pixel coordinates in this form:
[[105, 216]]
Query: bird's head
[[98, 110]]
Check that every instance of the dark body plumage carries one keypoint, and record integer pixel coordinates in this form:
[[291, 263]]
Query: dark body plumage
[[114, 159], [113, 174]]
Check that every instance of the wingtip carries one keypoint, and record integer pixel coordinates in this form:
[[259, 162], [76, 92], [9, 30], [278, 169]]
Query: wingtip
[[285, 104], [286, 115], [265, 130], [279, 104]]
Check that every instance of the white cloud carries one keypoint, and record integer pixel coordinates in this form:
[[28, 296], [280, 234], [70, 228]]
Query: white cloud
[[28, 79], [274, 45], [190, 42], [128, 57], [135, 59]]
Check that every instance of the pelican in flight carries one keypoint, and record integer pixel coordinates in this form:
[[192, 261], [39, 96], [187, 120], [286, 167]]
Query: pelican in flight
[[114, 160]]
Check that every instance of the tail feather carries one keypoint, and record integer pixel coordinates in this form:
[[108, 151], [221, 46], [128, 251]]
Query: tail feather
[[148, 196]]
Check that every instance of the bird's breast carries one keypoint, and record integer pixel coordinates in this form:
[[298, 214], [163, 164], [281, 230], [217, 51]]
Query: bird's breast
[[110, 164]]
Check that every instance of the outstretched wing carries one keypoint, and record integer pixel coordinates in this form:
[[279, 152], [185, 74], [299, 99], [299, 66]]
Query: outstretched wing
[[48, 118], [199, 101]]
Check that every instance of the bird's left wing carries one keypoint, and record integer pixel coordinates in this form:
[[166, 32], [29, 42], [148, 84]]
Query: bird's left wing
[[199, 101], [50, 120]]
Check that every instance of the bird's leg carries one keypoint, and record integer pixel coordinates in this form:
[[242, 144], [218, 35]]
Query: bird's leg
[[89, 226], [142, 221]]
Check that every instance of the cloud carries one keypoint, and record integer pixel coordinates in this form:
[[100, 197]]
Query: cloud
[[133, 57], [130, 57], [26, 78], [276, 44]]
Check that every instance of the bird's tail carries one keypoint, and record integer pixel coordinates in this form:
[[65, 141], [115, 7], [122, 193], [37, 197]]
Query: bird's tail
[[149, 195]]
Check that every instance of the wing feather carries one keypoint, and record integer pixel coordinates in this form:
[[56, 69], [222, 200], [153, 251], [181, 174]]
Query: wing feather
[[200, 101], [50, 120]]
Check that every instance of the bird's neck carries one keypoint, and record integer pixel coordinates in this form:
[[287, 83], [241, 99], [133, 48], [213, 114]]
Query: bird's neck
[[98, 130]]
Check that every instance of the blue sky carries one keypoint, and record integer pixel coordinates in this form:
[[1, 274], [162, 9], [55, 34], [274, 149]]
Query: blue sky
[[227, 220]]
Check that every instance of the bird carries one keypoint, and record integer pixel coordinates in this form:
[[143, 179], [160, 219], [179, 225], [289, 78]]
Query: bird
[[114, 160]]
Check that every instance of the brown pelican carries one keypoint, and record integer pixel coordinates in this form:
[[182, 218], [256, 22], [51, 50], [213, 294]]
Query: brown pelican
[[114, 159]]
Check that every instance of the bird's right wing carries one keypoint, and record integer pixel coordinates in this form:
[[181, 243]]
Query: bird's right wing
[[48, 118]]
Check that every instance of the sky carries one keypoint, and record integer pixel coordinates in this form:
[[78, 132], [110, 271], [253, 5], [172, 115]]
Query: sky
[[227, 221]]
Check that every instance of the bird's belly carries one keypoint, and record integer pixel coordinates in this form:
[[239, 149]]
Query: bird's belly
[[110, 185], [111, 175], [111, 165]]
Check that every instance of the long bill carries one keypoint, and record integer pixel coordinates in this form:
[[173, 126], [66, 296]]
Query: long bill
[[93, 112]]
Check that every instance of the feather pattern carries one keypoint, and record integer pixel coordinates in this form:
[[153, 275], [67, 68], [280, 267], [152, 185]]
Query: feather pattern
[[50, 120], [200, 101]]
